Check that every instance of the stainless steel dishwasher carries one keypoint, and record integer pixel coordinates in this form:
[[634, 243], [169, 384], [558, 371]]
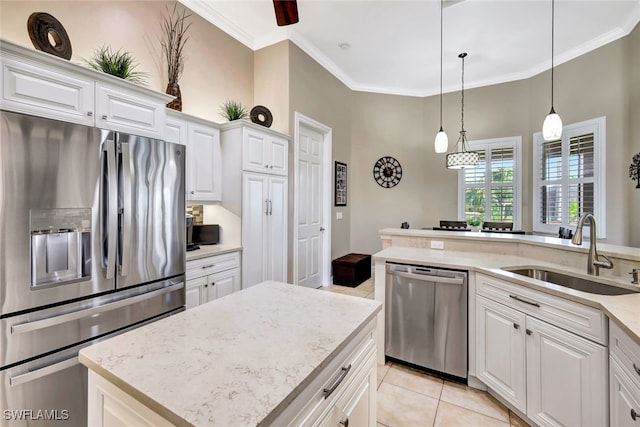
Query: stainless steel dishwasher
[[426, 318]]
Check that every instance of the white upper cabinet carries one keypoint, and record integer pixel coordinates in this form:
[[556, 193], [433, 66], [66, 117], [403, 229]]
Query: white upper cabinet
[[204, 163], [264, 152], [44, 85]]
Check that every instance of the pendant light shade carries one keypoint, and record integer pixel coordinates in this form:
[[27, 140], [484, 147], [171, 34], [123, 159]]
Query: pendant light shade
[[441, 144], [463, 158], [552, 126]]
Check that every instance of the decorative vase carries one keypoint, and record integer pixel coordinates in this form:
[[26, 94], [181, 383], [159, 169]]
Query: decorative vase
[[173, 89]]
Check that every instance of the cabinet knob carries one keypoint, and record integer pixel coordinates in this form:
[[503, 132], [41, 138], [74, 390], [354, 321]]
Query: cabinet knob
[[266, 166], [104, 117], [634, 414], [516, 326], [192, 192], [89, 113], [529, 332], [206, 285], [345, 422], [635, 368], [271, 167]]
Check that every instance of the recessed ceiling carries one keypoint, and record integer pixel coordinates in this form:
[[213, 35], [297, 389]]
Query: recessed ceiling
[[394, 45]]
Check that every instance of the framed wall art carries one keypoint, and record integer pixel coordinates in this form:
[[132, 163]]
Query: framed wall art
[[340, 175]]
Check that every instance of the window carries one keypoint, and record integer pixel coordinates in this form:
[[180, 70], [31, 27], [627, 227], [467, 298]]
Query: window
[[568, 177], [492, 190]]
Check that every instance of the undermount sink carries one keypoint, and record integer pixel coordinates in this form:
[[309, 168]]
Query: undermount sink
[[570, 281]]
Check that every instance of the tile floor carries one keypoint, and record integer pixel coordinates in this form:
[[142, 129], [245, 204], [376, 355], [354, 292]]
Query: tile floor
[[407, 397]]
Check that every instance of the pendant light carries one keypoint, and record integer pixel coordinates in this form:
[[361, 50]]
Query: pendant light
[[552, 126], [463, 158], [441, 144]]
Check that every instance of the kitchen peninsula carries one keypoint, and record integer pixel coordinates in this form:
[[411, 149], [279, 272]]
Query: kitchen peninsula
[[271, 353], [522, 329]]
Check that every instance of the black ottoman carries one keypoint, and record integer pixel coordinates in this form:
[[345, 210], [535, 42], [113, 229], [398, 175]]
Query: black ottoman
[[351, 269]]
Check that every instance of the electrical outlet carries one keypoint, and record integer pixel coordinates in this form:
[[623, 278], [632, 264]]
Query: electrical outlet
[[437, 244], [338, 215]]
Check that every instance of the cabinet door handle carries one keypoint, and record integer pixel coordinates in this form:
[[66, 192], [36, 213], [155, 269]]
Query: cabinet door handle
[[343, 373], [192, 192], [270, 207], [270, 166], [517, 298], [529, 332], [635, 368], [104, 117], [204, 267], [516, 326], [634, 414], [89, 113], [266, 166], [345, 422]]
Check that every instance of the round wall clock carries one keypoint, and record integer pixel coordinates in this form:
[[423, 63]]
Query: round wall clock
[[387, 172]]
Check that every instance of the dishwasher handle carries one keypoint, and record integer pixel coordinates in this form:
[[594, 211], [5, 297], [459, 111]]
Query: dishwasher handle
[[430, 278]]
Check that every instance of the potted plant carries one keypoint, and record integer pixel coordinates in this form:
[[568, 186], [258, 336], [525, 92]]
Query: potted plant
[[233, 110], [174, 29], [118, 63], [474, 223]]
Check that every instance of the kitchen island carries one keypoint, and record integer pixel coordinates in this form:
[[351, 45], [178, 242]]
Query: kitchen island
[[257, 357]]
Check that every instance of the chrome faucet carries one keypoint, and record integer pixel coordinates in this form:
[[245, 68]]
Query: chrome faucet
[[594, 263]]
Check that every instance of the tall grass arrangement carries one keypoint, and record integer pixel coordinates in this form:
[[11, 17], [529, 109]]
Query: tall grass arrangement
[[118, 63], [233, 110]]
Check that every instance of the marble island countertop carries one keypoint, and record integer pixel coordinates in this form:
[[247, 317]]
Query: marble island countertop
[[621, 308], [239, 360]]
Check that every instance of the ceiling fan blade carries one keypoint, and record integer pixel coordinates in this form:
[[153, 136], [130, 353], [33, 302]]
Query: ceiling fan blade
[[286, 12]]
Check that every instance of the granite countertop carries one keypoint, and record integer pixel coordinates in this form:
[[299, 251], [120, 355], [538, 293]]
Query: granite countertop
[[623, 309], [211, 250], [239, 360]]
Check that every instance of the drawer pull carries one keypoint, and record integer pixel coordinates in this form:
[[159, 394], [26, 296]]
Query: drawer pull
[[634, 414], [517, 298], [327, 391], [204, 267], [635, 368]]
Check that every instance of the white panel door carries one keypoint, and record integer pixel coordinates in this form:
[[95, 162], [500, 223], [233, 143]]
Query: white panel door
[[500, 341], [204, 164], [226, 282], [310, 218], [193, 293], [277, 223], [255, 204], [566, 377]]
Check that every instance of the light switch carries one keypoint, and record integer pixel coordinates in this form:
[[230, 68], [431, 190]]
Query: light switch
[[338, 215]]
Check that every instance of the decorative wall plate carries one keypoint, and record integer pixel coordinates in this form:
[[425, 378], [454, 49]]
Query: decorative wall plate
[[261, 116], [48, 35], [387, 172]]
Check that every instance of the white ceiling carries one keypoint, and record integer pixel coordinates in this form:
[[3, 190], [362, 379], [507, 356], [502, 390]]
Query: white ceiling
[[395, 44]]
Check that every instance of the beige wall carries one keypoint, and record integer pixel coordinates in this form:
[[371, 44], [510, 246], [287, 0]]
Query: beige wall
[[217, 67], [271, 83], [633, 194], [317, 94], [593, 85]]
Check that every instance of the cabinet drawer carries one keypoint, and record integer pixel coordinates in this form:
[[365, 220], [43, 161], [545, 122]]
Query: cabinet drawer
[[585, 321], [213, 264], [308, 406], [46, 92], [626, 351], [624, 397]]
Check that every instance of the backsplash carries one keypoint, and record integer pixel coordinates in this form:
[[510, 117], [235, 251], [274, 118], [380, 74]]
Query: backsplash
[[197, 212]]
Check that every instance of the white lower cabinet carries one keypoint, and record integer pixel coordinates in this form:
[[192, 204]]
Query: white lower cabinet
[[624, 378], [211, 278], [264, 228], [555, 377]]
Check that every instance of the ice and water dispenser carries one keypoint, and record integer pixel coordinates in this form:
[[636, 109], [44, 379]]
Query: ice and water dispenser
[[60, 246]]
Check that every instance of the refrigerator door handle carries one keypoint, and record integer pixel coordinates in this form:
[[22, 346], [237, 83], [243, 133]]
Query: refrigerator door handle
[[112, 209], [43, 372], [126, 209], [76, 315]]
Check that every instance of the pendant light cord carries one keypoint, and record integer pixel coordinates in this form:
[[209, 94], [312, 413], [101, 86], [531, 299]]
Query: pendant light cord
[[553, 14], [441, 20], [462, 55]]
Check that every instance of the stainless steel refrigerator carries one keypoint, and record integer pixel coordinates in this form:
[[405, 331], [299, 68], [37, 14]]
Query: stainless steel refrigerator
[[92, 243]]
